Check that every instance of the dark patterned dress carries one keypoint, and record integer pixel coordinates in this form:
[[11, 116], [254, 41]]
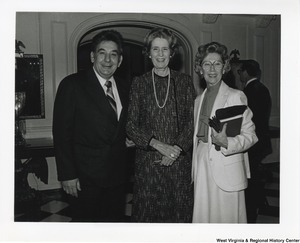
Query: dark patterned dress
[[162, 194]]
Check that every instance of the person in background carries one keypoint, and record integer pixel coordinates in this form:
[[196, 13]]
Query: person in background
[[220, 163], [259, 101], [89, 119], [160, 124]]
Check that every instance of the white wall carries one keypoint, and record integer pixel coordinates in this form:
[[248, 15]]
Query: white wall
[[56, 36]]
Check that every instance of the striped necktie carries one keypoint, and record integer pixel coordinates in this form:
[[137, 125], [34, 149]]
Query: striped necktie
[[110, 96]]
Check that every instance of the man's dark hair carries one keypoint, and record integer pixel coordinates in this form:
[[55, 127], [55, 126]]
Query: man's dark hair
[[108, 35], [252, 67]]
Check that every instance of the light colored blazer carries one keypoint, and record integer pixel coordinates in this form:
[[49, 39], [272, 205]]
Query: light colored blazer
[[230, 167]]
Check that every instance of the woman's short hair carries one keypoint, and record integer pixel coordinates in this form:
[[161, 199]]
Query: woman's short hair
[[160, 33], [212, 47], [108, 35]]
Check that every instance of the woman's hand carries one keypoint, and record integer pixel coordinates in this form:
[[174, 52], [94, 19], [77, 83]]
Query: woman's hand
[[165, 161], [220, 138], [129, 143], [169, 151]]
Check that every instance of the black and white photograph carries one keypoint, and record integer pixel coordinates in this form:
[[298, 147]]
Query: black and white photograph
[[140, 122]]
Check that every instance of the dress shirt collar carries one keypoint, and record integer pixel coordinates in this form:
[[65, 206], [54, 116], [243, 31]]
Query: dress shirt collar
[[103, 81], [249, 81]]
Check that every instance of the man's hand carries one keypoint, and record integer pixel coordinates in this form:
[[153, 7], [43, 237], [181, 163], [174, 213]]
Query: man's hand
[[71, 187]]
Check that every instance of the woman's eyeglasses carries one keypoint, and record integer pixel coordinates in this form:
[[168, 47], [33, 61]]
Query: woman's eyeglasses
[[208, 65]]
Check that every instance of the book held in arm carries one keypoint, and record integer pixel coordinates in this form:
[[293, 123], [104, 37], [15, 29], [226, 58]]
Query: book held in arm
[[233, 116]]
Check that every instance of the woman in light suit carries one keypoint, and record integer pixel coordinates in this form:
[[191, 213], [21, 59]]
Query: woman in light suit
[[219, 175]]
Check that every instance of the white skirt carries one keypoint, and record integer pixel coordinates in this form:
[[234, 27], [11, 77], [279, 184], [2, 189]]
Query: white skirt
[[211, 203]]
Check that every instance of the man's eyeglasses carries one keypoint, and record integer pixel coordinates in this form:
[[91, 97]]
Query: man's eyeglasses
[[216, 64]]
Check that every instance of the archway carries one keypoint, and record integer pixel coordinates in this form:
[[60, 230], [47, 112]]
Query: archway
[[133, 27], [134, 63]]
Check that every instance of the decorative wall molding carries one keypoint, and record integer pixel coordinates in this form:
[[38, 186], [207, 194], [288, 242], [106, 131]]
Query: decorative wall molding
[[210, 18], [38, 131], [263, 21], [59, 41]]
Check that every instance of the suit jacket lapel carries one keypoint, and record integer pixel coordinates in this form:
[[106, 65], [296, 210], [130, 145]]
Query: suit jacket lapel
[[122, 91], [94, 88], [220, 101], [122, 95], [221, 98], [197, 107]]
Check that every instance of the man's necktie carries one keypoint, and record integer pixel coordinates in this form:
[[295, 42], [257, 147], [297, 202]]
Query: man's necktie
[[110, 96]]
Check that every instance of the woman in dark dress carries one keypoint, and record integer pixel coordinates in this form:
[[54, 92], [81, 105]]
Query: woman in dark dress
[[160, 124]]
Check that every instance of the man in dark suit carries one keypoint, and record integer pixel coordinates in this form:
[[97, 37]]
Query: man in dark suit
[[89, 134], [259, 101]]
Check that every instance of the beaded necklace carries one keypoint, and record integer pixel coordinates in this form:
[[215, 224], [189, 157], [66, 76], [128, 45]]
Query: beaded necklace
[[167, 95]]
